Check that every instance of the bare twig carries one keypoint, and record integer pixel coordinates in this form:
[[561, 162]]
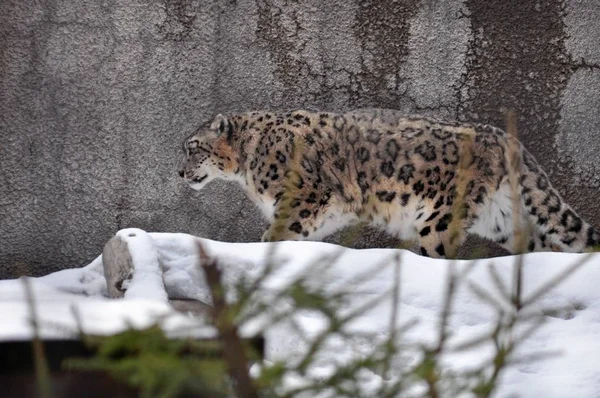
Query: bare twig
[[485, 296], [518, 283], [233, 349], [39, 356], [514, 169], [498, 282], [447, 309], [393, 317]]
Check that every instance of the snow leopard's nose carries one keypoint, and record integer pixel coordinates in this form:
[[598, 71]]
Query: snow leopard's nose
[[181, 173]]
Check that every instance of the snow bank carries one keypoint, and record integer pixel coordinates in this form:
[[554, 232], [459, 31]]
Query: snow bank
[[64, 315], [572, 333]]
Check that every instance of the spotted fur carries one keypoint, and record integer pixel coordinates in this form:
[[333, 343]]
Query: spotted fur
[[435, 182]]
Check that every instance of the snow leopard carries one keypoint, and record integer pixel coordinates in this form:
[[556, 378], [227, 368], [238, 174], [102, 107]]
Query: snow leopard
[[421, 179]]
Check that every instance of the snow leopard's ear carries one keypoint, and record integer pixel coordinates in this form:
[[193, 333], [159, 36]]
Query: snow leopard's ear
[[222, 126]]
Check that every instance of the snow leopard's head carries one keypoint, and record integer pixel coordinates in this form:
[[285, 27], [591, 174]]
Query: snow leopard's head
[[208, 153]]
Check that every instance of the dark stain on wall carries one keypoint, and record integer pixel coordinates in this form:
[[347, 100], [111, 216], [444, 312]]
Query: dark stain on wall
[[383, 31], [179, 21], [517, 60], [281, 40]]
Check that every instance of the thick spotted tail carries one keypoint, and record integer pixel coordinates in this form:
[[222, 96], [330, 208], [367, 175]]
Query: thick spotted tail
[[556, 226]]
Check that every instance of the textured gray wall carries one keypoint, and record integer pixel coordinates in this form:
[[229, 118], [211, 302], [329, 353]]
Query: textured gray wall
[[96, 96]]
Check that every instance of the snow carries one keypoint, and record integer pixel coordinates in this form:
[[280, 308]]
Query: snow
[[64, 315], [571, 311]]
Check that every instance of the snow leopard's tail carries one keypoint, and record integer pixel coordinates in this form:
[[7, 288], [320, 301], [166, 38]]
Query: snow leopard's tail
[[556, 225]]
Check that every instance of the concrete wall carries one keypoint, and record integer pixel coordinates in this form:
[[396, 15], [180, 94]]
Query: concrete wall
[[96, 96]]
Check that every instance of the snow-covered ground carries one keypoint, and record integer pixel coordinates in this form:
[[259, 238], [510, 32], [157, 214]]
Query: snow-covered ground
[[571, 310]]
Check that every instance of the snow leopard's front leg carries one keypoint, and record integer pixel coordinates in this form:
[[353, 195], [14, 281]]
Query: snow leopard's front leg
[[301, 217]]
